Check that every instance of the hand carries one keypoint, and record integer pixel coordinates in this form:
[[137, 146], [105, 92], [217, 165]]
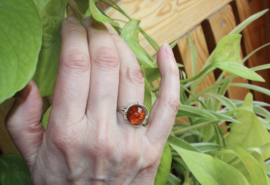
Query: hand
[[87, 141]]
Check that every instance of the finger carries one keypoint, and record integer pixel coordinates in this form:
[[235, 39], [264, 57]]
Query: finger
[[131, 83], [102, 99], [23, 122], [163, 113], [73, 78]]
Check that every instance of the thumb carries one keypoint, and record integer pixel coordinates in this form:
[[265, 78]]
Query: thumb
[[23, 122]]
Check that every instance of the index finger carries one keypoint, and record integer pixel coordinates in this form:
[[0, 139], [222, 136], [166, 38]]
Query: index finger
[[73, 78]]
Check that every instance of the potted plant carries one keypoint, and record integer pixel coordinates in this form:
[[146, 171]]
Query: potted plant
[[196, 152]]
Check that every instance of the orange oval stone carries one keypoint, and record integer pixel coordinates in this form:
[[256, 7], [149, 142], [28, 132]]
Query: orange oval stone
[[136, 114]]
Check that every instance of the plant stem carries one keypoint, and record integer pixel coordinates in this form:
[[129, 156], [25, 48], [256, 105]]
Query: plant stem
[[177, 132], [74, 12], [201, 75], [210, 88]]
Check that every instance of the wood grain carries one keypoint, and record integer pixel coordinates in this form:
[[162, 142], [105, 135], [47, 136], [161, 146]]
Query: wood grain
[[202, 54], [216, 27], [167, 20], [255, 35]]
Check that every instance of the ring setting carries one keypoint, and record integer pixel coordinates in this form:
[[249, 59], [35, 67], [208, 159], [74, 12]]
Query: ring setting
[[135, 114]]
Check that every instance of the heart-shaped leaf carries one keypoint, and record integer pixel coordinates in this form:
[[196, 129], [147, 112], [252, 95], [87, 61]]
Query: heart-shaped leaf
[[253, 133], [20, 42], [228, 49], [52, 13], [209, 170], [164, 167], [98, 16], [13, 170]]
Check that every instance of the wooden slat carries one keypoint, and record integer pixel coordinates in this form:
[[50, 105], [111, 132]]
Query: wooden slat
[[167, 20], [255, 35], [202, 54], [216, 27]]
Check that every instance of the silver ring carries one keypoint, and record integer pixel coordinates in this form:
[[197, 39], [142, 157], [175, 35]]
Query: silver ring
[[135, 114]]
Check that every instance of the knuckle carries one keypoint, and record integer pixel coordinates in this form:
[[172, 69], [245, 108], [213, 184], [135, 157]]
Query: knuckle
[[173, 104], [106, 57], [76, 60], [73, 28], [132, 156], [174, 71], [135, 76], [65, 138]]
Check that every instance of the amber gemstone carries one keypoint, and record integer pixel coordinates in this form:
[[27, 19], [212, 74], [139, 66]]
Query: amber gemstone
[[136, 114]]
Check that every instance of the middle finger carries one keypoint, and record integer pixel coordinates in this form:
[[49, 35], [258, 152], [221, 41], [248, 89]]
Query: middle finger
[[102, 100]]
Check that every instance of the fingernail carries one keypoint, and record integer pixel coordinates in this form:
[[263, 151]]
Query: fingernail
[[168, 49], [111, 32], [72, 19]]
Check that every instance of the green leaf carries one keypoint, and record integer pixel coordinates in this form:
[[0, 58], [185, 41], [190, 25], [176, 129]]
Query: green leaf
[[130, 34], [247, 165], [20, 43], [13, 170], [174, 43], [181, 143], [259, 48], [239, 70], [98, 16], [261, 111], [50, 11], [83, 4], [190, 111], [238, 29], [152, 42], [228, 49], [252, 87], [151, 73], [173, 180], [256, 172], [164, 167], [45, 117], [224, 100], [193, 55], [192, 127], [209, 170], [251, 133], [254, 103], [246, 22], [261, 67], [267, 164], [223, 117], [207, 147], [147, 94]]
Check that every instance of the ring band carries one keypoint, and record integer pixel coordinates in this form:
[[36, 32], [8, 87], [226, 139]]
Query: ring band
[[135, 114]]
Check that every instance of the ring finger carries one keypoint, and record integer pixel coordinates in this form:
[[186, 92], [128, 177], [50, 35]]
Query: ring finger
[[131, 82]]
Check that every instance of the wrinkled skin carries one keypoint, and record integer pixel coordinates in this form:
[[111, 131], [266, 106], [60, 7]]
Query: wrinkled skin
[[87, 141]]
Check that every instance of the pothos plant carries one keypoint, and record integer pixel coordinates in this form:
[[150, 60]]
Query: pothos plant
[[196, 152]]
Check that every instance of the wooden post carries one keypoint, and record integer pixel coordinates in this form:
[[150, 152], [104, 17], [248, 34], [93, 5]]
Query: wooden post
[[256, 35], [201, 53], [216, 27]]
